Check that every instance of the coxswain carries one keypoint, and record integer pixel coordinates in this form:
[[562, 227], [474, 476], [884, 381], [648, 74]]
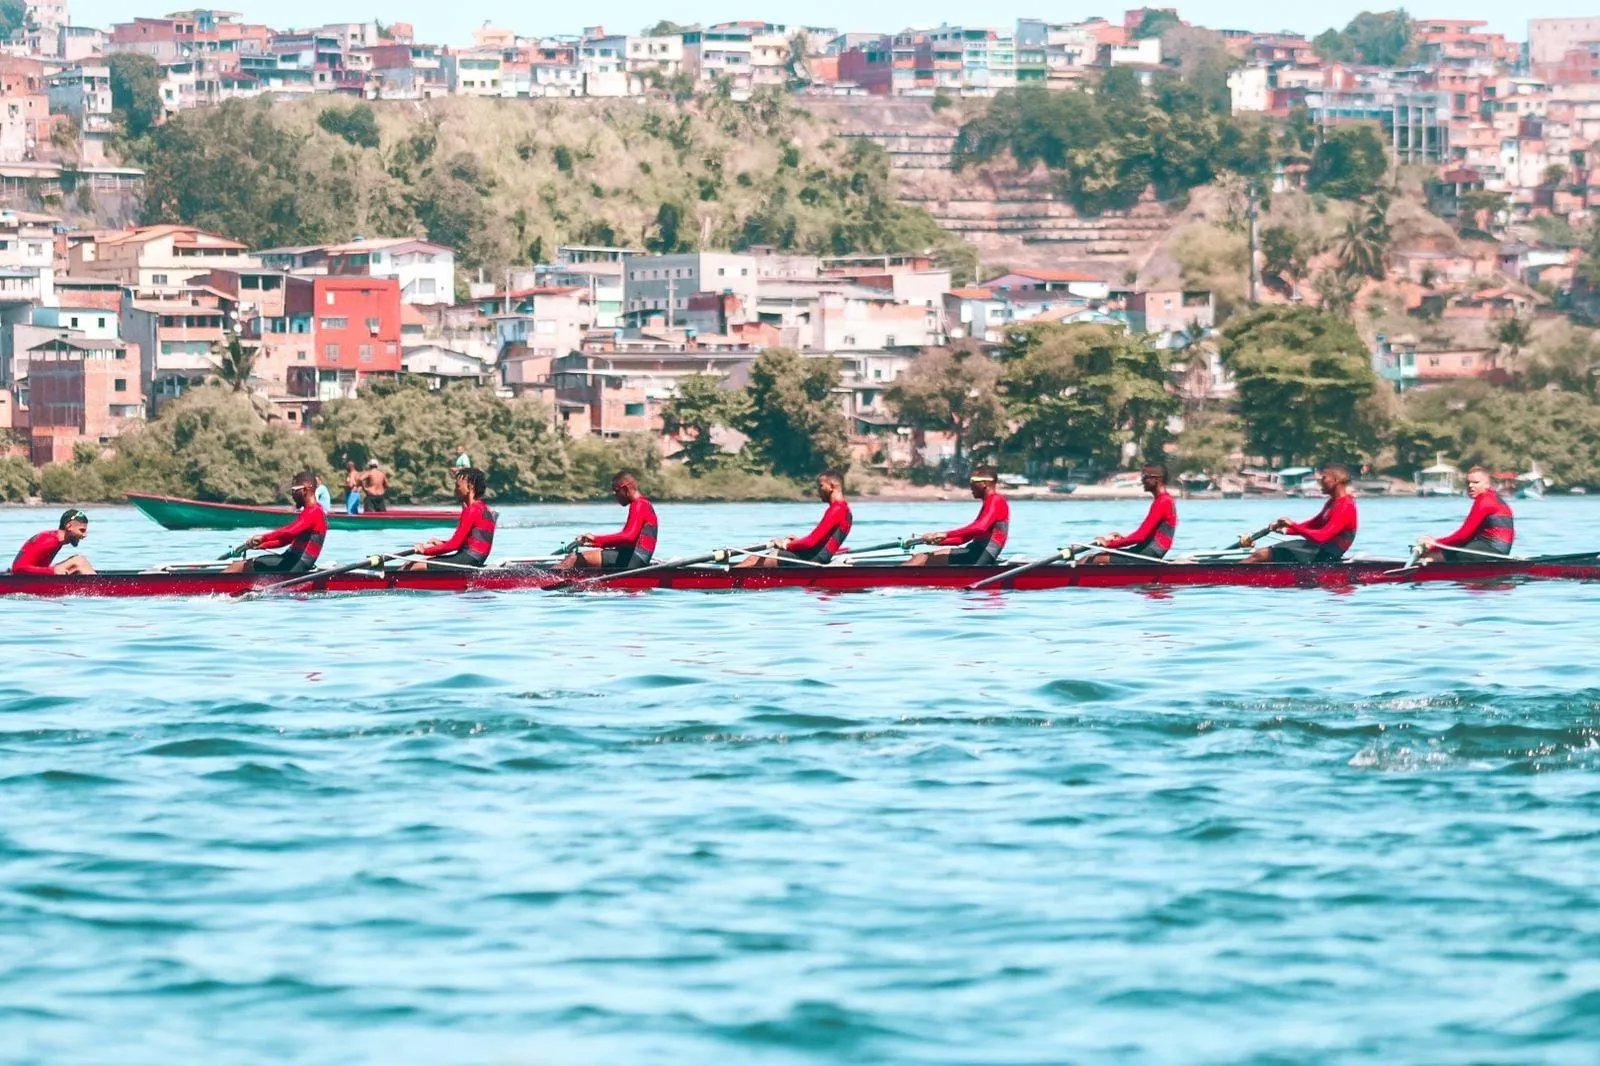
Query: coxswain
[[823, 542], [1325, 538], [1488, 529], [301, 539], [631, 546], [473, 539], [38, 554], [1153, 538], [978, 543]]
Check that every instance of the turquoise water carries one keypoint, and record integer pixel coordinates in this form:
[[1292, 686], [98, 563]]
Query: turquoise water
[[1211, 825]]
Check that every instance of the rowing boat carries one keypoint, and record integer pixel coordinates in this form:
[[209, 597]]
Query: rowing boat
[[174, 512], [837, 578]]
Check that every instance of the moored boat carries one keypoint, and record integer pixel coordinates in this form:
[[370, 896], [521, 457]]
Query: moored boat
[[832, 578], [173, 512]]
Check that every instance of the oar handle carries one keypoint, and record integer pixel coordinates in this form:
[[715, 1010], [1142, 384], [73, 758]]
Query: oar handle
[[1250, 538]]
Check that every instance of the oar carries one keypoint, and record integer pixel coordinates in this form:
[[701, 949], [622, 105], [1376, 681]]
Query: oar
[[1249, 539], [234, 553], [1412, 563], [371, 562], [720, 555], [902, 543], [1023, 568]]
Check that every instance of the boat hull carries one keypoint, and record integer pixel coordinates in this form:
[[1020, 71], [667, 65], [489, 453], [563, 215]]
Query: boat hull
[[173, 512], [862, 578]]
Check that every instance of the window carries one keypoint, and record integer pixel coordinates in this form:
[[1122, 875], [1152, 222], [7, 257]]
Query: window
[[365, 353], [633, 410], [1466, 361], [333, 323], [332, 352], [75, 322], [330, 297], [158, 279], [101, 321], [299, 357], [372, 325], [119, 384], [391, 348]]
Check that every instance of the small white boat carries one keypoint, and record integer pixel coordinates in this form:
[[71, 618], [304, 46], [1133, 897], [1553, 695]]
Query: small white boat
[[1440, 479], [1532, 485]]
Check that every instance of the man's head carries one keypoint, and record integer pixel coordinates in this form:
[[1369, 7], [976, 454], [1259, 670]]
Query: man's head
[[983, 480], [1479, 481], [1333, 477], [303, 486], [625, 486], [1153, 476], [470, 484], [828, 483], [75, 524], [372, 464]]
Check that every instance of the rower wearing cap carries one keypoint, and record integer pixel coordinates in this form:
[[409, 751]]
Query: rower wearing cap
[[631, 546], [1488, 530], [301, 539], [823, 542], [1153, 538], [473, 539], [1326, 537], [38, 554], [980, 540]]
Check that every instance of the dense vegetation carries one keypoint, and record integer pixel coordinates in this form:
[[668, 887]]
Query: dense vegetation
[[505, 181], [1382, 38], [1107, 147]]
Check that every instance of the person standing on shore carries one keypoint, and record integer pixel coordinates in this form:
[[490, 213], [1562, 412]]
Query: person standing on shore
[[352, 488], [324, 498], [375, 486], [463, 460]]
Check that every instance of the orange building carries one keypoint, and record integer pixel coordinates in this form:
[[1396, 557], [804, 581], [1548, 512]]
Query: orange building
[[80, 390]]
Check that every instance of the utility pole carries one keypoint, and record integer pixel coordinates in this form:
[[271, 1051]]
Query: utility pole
[[1253, 213]]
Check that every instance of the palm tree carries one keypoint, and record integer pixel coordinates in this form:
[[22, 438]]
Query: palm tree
[[1513, 334], [235, 364], [1363, 243], [1338, 291]]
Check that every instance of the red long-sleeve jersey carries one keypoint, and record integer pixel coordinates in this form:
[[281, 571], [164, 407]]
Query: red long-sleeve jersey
[[639, 533], [1335, 524], [821, 544], [1157, 530], [38, 555], [1490, 518], [992, 524]]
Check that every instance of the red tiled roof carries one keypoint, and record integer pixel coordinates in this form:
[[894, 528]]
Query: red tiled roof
[[972, 294]]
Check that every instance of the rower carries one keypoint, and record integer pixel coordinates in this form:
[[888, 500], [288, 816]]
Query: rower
[[1488, 530], [38, 554], [1325, 538], [1153, 538], [631, 546], [981, 539], [473, 539], [302, 538], [823, 542]]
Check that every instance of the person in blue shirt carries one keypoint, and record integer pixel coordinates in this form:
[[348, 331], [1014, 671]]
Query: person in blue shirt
[[324, 498]]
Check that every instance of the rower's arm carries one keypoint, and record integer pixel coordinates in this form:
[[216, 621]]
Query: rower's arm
[[1146, 530], [815, 539], [977, 527], [627, 535], [1469, 528], [458, 539], [284, 534], [1324, 527]]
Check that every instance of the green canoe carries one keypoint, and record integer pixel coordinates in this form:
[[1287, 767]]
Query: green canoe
[[174, 513]]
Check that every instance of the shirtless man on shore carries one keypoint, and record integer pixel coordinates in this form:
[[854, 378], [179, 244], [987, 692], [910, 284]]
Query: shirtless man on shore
[[375, 486]]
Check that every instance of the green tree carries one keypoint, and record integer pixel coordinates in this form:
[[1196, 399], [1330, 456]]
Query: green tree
[[700, 405], [1568, 362], [1286, 251], [1156, 22], [1504, 430], [1364, 243], [1337, 290], [1349, 162], [135, 90], [663, 28], [1376, 38], [1307, 390], [1085, 394], [1209, 442], [18, 479], [414, 432], [794, 420], [666, 237], [13, 16], [357, 125], [236, 364], [951, 390]]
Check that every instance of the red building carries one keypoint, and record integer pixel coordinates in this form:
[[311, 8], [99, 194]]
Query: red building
[[355, 327]]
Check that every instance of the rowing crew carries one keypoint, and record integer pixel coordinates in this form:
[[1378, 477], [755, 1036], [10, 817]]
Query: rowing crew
[[1324, 538]]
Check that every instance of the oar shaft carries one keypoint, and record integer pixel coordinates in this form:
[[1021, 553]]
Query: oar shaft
[[1017, 571]]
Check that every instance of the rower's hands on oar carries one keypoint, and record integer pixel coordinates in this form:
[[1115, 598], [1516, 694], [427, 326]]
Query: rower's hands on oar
[[418, 549], [1427, 544]]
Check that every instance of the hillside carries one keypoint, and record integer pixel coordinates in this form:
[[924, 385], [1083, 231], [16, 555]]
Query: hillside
[[506, 181]]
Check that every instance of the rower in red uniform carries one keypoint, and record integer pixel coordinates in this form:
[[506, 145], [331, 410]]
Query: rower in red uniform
[[631, 546], [39, 553], [1488, 529], [473, 539], [301, 539], [1153, 538], [980, 540], [823, 542], [1325, 538]]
